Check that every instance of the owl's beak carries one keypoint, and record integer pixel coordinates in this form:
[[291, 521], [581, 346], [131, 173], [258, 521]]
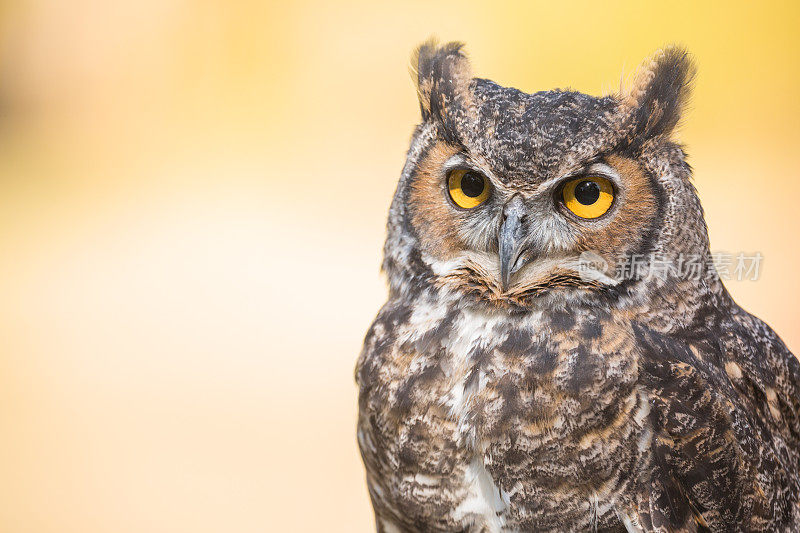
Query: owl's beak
[[510, 238]]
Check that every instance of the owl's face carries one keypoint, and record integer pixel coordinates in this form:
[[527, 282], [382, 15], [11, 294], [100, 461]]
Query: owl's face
[[504, 193]]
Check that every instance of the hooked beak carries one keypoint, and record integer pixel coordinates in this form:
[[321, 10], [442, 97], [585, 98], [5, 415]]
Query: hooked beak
[[511, 237]]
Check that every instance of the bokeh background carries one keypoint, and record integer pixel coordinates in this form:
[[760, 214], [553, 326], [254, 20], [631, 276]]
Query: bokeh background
[[192, 207]]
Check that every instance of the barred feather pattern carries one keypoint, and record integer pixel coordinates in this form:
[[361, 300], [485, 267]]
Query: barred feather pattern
[[586, 420]]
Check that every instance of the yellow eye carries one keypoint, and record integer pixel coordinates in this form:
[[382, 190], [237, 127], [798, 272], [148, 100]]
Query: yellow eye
[[468, 188], [588, 197]]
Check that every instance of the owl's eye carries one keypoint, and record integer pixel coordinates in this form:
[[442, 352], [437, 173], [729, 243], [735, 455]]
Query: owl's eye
[[588, 197], [468, 188]]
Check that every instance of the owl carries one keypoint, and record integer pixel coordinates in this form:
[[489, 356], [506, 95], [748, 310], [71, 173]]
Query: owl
[[558, 352]]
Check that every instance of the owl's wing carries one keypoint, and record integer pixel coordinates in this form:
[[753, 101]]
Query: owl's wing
[[722, 458]]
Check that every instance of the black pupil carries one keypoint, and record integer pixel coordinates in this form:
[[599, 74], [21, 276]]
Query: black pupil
[[587, 192], [472, 184]]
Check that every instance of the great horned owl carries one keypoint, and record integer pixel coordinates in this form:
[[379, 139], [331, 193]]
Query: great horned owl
[[504, 387]]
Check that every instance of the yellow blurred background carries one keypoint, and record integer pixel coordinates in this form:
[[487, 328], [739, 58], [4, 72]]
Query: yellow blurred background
[[192, 208]]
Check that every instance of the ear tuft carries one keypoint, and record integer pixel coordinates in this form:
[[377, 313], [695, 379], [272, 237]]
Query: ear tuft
[[660, 92], [442, 75]]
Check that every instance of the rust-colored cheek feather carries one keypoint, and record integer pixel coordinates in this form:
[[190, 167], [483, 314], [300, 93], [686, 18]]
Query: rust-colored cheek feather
[[503, 387]]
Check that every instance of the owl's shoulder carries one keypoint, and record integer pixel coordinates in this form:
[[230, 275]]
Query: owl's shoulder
[[738, 356], [724, 412]]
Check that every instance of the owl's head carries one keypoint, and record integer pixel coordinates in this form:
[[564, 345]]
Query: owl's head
[[505, 194]]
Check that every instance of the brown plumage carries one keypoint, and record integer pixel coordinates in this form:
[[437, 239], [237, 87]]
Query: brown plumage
[[503, 387]]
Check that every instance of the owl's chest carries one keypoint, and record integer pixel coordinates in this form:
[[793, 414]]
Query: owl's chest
[[456, 404]]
